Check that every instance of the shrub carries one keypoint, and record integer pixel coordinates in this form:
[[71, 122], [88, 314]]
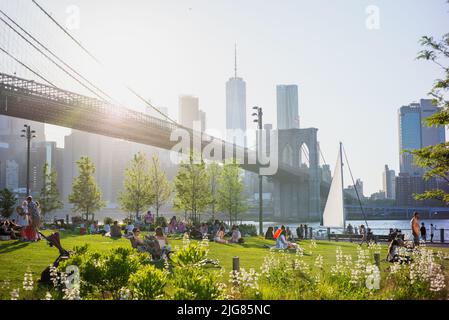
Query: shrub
[[148, 283], [102, 273], [161, 222], [193, 283], [248, 230], [108, 220], [191, 254]]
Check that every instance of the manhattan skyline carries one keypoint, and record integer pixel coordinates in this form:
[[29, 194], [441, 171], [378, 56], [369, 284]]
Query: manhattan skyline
[[351, 80]]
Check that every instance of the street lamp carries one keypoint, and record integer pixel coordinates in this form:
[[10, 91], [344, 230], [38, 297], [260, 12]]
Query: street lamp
[[28, 134], [258, 120]]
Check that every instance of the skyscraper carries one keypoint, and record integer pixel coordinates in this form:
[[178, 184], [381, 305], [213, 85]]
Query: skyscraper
[[415, 134], [389, 183], [287, 106], [188, 110], [236, 104]]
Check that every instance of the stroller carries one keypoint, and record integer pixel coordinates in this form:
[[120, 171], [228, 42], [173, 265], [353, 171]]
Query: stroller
[[53, 241]]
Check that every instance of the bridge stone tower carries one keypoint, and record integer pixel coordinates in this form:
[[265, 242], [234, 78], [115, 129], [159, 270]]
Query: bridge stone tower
[[296, 197]]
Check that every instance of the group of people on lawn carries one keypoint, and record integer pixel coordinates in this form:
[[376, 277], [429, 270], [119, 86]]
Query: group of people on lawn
[[27, 223]]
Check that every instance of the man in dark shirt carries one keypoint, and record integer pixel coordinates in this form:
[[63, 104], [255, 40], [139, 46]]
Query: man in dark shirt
[[423, 232]]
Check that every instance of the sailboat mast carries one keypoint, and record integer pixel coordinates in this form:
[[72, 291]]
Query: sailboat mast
[[342, 187]]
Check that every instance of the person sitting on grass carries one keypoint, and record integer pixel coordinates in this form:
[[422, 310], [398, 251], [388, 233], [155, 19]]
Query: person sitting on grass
[[93, 228], [282, 243], [163, 241], [219, 237], [204, 229], [7, 229], [136, 241], [269, 234], [106, 230], [236, 236], [116, 231]]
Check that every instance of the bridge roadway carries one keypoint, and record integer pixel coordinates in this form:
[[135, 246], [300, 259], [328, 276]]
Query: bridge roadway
[[31, 100]]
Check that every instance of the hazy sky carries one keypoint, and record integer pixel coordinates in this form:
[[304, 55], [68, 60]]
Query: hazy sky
[[351, 79]]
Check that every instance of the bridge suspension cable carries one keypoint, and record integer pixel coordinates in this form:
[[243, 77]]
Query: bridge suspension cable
[[27, 67], [53, 54], [50, 59], [78, 43]]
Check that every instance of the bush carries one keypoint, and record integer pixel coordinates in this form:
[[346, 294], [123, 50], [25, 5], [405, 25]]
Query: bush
[[148, 283], [161, 222], [101, 273], [193, 283], [108, 220], [191, 254], [248, 230]]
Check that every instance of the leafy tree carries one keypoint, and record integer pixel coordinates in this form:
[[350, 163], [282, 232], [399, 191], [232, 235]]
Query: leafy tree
[[214, 171], [231, 198], [136, 194], [49, 195], [7, 202], [435, 159], [192, 188], [86, 195], [160, 186]]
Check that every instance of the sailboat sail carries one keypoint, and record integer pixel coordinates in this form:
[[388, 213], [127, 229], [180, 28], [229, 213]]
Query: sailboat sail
[[334, 215]]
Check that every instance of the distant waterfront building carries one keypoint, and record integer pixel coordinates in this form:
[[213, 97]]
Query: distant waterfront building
[[13, 152], [188, 110], [380, 195], [415, 134], [287, 107], [407, 186], [203, 120], [389, 183], [236, 105], [353, 191]]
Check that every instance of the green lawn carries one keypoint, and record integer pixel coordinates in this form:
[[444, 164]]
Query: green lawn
[[18, 257]]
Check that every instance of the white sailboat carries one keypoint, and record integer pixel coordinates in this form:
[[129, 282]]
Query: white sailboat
[[334, 211]]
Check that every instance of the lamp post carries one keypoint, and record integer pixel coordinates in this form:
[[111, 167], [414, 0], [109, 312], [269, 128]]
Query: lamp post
[[258, 114], [28, 134]]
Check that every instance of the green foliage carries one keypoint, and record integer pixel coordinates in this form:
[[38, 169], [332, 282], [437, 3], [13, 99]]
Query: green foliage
[[86, 195], [161, 222], [148, 283], [108, 220], [435, 159], [160, 186], [49, 195], [7, 202], [231, 198], [137, 193], [214, 172], [190, 255], [248, 230], [192, 188], [104, 273], [193, 283]]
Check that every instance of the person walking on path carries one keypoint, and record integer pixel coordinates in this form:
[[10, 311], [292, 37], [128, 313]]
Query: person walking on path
[[414, 225]]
